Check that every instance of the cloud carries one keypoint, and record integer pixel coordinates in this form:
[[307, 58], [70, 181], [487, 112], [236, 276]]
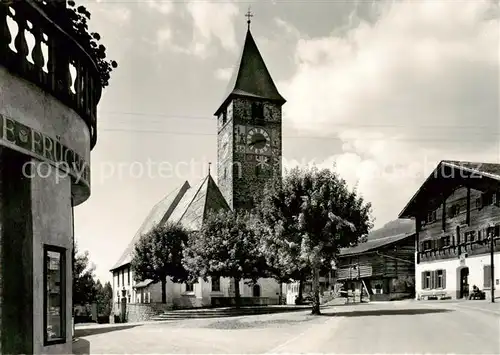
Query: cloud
[[224, 74], [416, 86], [212, 20], [163, 7]]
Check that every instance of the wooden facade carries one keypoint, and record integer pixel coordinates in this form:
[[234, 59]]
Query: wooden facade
[[456, 212], [382, 268]]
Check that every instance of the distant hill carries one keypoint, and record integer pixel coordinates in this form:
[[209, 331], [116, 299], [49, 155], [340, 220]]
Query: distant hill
[[398, 226]]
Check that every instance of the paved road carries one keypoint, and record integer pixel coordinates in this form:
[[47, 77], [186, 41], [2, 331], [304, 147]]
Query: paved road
[[390, 328]]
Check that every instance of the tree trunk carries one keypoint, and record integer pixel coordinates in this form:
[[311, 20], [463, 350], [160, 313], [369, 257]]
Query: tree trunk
[[164, 290], [315, 285], [237, 297], [301, 286], [281, 293]]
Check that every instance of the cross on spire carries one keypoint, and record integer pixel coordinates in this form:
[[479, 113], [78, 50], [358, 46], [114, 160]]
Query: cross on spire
[[248, 15]]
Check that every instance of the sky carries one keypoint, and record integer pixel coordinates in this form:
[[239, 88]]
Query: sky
[[382, 90]]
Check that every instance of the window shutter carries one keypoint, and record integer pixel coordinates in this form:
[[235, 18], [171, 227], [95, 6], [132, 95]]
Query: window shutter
[[423, 279], [444, 278], [487, 276]]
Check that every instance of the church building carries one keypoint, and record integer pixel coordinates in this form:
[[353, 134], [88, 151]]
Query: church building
[[249, 153]]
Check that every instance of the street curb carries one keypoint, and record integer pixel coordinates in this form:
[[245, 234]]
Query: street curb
[[480, 309]]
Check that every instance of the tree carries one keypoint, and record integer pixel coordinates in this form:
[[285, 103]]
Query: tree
[[84, 291], [279, 236], [158, 255], [104, 298], [226, 246], [311, 215]]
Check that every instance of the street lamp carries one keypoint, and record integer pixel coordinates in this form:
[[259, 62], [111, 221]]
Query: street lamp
[[492, 261]]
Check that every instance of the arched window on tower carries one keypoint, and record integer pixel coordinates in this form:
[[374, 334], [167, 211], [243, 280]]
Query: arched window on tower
[[257, 112], [258, 170], [236, 170]]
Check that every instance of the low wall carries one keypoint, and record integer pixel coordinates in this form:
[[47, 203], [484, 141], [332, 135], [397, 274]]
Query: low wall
[[140, 312], [244, 301], [390, 296]]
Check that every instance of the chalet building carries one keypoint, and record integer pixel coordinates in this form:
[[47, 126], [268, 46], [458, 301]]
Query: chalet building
[[457, 219], [381, 268], [249, 154]]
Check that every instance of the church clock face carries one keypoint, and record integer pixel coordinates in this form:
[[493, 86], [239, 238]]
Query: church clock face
[[258, 141]]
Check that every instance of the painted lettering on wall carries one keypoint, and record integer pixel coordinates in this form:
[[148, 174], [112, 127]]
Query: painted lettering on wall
[[44, 147]]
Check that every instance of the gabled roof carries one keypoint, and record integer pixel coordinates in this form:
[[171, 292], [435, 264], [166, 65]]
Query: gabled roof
[[382, 237], [251, 78], [447, 176], [158, 215], [186, 205], [194, 206], [371, 245]]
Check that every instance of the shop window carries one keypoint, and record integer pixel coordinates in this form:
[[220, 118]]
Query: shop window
[[54, 308]]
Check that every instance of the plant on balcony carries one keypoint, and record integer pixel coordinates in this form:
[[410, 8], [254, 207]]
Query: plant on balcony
[[78, 16]]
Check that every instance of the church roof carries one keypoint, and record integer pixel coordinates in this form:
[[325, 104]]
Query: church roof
[[186, 205], [251, 78]]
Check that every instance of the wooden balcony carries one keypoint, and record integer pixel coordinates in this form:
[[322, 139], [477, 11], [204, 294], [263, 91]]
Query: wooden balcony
[[478, 247], [354, 272], [36, 45]]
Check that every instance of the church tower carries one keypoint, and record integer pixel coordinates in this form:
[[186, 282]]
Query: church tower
[[249, 148]]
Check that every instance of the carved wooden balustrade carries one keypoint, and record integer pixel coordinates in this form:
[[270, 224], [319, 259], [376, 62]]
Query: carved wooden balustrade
[[34, 46]]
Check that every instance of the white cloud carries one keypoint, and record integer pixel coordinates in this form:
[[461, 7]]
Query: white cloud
[[224, 74], [162, 6], [418, 86], [212, 20]]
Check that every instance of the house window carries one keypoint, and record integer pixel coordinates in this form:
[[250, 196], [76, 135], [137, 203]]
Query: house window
[[487, 276], [446, 241], [470, 236], [189, 287], [54, 275], [441, 279], [123, 277], [454, 211], [426, 280], [225, 173], [258, 113], [128, 276], [427, 245], [432, 217], [478, 203], [215, 284], [487, 199], [118, 278]]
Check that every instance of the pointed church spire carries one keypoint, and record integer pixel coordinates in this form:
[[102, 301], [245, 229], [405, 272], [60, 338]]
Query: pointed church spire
[[251, 78]]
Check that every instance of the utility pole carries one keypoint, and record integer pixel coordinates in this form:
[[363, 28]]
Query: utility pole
[[492, 268]]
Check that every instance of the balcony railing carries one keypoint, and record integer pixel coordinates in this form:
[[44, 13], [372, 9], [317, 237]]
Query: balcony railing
[[35, 47]]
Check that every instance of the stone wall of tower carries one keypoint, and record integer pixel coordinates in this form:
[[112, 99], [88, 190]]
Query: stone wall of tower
[[246, 185], [224, 171], [236, 170]]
